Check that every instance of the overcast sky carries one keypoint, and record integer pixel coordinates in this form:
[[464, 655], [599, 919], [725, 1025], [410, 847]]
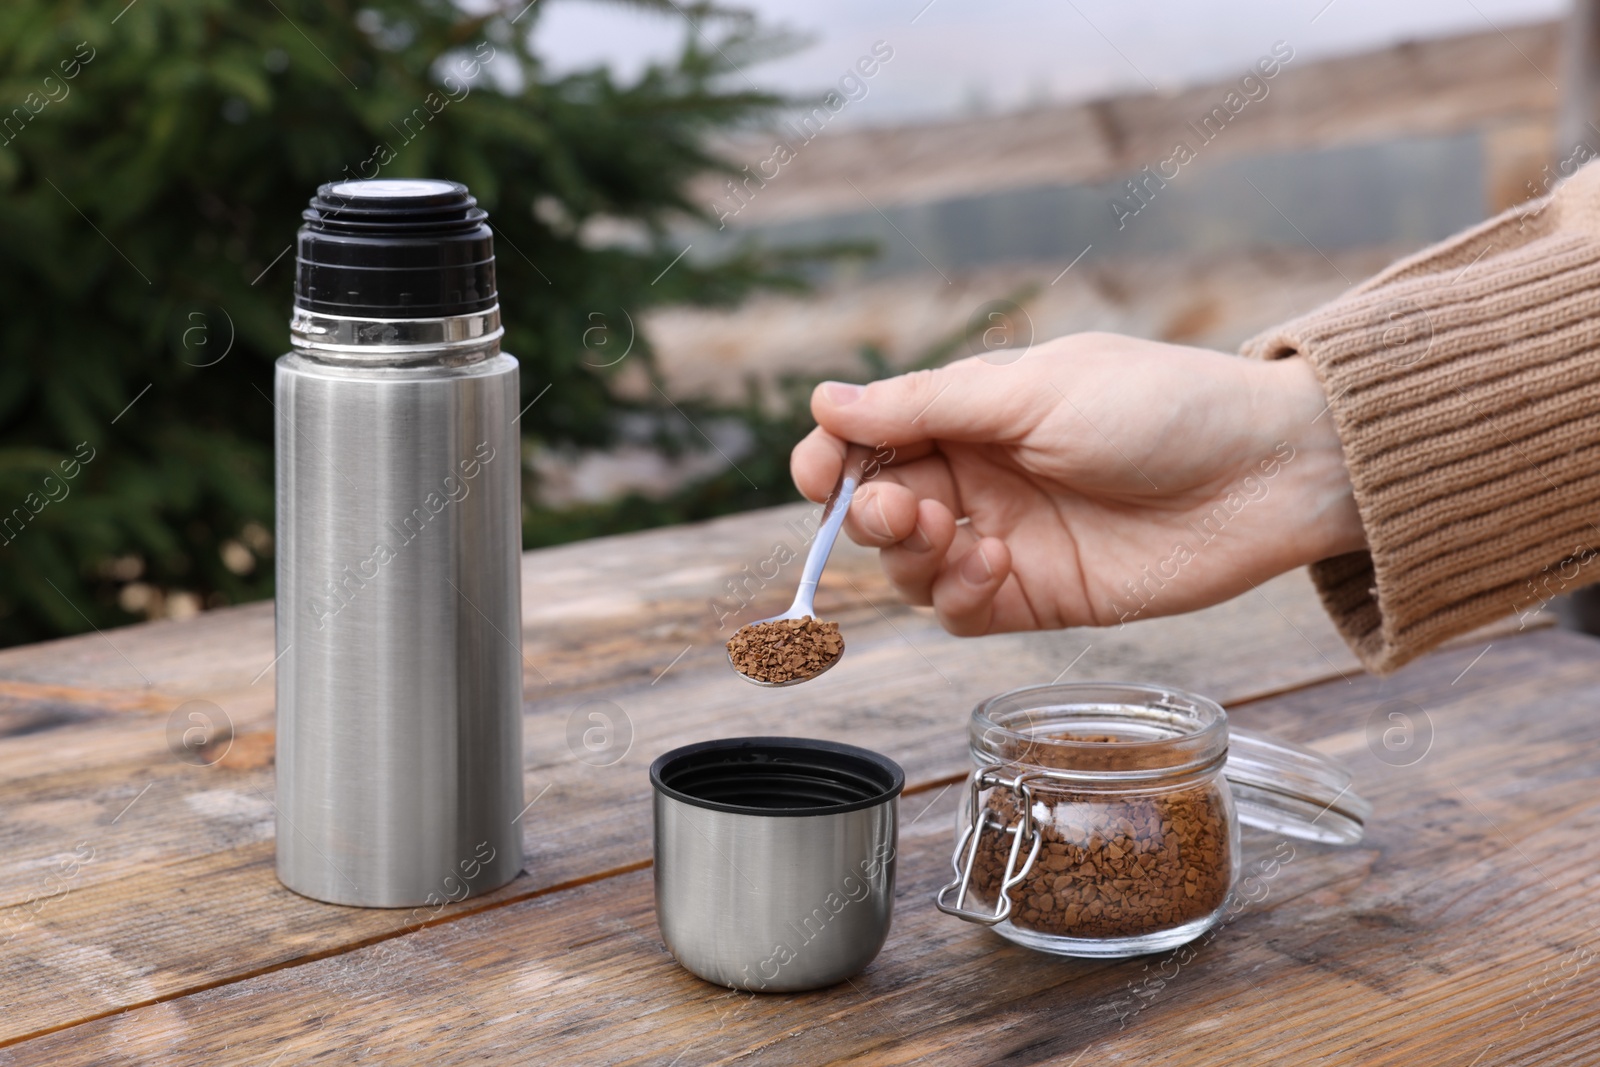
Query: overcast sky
[[954, 56]]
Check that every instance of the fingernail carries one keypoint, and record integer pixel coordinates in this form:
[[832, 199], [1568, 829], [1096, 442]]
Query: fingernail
[[918, 541], [842, 392], [883, 520], [975, 568]]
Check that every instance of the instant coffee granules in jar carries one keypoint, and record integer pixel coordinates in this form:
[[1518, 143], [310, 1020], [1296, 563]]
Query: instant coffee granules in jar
[[1101, 820], [1114, 868]]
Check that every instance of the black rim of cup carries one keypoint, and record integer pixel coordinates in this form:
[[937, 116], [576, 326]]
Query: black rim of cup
[[777, 776]]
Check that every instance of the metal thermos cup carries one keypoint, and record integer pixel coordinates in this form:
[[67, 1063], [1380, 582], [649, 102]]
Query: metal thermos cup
[[399, 669], [775, 859]]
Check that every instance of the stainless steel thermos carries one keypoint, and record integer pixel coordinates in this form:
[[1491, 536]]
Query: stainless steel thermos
[[399, 676]]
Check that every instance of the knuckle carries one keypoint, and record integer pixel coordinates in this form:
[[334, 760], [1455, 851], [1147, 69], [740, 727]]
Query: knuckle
[[967, 623], [1088, 341], [917, 385], [917, 594]]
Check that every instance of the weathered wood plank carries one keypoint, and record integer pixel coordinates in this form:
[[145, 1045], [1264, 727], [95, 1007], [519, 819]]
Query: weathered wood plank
[[626, 621], [616, 614], [612, 608], [1457, 933]]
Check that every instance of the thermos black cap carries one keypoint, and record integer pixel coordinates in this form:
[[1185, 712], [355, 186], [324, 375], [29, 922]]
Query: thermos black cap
[[395, 248]]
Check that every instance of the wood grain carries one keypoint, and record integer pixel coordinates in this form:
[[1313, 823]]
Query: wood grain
[[1461, 931], [621, 625]]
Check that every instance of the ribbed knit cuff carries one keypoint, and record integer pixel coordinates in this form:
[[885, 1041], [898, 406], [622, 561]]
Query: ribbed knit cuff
[[1467, 399]]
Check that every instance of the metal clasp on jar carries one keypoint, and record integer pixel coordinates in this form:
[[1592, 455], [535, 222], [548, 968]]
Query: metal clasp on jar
[[966, 853]]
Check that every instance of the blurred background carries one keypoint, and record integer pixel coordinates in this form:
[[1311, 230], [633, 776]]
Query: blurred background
[[701, 210]]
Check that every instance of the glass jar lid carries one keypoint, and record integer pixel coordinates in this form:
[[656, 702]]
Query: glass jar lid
[[1289, 789], [1063, 731]]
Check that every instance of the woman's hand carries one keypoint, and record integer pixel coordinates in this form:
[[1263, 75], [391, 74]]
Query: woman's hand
[[1095, 480]]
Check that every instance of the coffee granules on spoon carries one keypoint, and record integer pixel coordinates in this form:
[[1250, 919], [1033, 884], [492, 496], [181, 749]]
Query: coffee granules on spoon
[[785, 649], [1113, 866]]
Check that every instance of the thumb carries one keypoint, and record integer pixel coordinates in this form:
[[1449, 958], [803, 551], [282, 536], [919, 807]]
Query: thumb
[[966, 401]]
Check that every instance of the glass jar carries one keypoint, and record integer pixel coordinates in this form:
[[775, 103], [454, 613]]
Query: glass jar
[[1103, 819]]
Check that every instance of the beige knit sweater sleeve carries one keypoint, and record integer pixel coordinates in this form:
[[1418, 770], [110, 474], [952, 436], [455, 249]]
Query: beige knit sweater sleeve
[[1464, 383]]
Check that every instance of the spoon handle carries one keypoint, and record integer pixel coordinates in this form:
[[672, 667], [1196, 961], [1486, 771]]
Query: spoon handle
[[833, 515]]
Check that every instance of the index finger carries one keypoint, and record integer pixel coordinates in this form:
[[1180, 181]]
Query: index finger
[[968, 400], [816, 463], [819, 458]]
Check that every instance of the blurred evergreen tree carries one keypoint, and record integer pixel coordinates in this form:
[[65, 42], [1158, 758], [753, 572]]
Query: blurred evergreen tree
[[154, 160]]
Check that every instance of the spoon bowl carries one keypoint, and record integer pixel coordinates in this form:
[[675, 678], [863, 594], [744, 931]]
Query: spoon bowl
[[792, 681], [827, 533]]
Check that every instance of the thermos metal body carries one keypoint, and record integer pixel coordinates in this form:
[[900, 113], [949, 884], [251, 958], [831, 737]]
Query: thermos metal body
[[399, 623], [399, 678]]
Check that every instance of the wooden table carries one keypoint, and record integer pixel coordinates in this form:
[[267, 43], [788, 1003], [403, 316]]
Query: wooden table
[[142, 922]]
